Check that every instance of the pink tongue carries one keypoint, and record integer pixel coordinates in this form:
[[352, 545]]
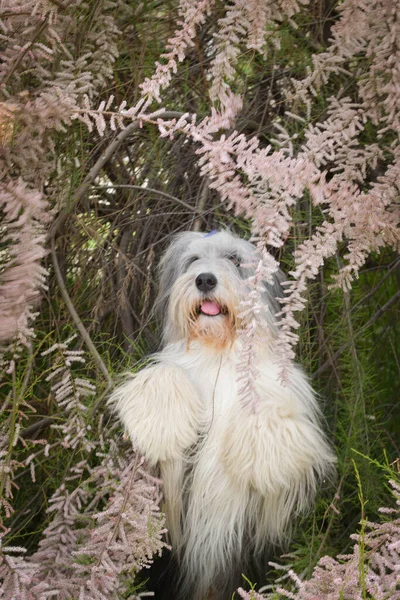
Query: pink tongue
[[210, 308]]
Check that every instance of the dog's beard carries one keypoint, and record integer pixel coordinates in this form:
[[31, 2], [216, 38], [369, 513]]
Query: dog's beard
[[218, 331], [211, 319]]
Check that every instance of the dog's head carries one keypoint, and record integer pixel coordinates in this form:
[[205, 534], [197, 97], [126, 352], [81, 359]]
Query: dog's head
[[203, 280]]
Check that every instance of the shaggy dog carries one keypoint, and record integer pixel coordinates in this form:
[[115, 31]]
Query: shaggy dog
[[233, 476]]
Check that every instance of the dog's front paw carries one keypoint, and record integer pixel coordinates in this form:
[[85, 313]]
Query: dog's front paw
[[275, 450], [158, 407]]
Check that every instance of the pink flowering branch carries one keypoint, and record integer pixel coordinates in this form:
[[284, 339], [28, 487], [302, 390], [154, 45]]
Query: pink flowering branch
[[120, 545], [192, 13], [25, 213], [248, 23], [372, 565]]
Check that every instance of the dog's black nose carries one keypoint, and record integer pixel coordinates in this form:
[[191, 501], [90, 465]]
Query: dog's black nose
[[206, 282]]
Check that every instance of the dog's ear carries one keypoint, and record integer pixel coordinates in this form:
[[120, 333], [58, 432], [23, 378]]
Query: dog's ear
[[166, 277], [171, 266], [274, 291]]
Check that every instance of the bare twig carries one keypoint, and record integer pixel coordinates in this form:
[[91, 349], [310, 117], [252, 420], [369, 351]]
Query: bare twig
[[150, 191], [110, 150], [378, 285], [101, 161], [202, 203], [364, 299], [123, 285], [75, 317], [32, 429], [61, 5], [344, 347]]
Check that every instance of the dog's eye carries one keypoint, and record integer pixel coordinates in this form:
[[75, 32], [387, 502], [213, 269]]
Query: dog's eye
[[234, 259], [190, 261]]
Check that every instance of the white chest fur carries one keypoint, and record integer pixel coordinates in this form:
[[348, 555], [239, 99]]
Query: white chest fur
[[214, 377]]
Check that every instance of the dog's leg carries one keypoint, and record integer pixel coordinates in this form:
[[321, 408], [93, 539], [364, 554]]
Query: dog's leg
[[159, 407], [172, 472], [279, 450]]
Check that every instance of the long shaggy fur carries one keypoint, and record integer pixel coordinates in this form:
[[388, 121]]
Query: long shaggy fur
[[233, 478]]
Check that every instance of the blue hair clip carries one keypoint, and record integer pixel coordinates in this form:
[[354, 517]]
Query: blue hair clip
[[213, 232]]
